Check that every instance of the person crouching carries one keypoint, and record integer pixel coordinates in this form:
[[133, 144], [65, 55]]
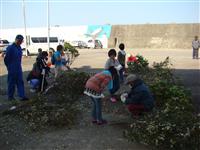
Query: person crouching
[[37, 76], [139, 99]]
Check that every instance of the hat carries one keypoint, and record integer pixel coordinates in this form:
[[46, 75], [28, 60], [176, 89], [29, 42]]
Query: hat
[[19, 37], [131, 78]]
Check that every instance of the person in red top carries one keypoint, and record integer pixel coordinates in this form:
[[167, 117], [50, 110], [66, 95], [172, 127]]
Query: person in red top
[[94, 88]]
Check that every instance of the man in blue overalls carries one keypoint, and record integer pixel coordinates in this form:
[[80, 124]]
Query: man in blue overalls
[[12, 61]]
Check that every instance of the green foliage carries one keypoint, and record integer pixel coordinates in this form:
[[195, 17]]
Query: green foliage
[[164, 130], [69, 86], [173, 123], [139, 65], [57, 107], [69, 48]]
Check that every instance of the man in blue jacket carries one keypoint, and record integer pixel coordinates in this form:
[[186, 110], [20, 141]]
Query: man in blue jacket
[[12, 61], [139, 98]]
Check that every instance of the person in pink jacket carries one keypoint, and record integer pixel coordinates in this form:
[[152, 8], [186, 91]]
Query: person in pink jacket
[[94, 89]]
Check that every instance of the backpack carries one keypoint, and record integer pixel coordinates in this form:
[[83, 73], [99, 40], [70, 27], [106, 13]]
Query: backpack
[[53, 59]]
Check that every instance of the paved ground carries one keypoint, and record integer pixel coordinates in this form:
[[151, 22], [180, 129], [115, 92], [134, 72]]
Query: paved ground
[[84, 135]]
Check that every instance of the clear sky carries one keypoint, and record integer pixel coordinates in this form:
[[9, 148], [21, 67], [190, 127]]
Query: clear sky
[[98, 12]]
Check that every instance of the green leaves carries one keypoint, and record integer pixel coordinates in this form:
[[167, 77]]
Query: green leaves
[[173, 124], [57, 107]]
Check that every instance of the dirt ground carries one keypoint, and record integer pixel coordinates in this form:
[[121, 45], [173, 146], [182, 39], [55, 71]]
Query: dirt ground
[[84, 135]]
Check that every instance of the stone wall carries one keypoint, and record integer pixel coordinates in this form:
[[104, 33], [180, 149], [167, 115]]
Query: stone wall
[[154, 35]]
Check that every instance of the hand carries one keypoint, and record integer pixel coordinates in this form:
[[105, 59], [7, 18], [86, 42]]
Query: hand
[[43, 72], [119, 67], [123, 97]]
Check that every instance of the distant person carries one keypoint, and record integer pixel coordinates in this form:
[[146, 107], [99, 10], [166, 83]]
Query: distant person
[[12, 61], [94, 88], [65, 61], [139, 99], [50, 54], [195, 46], [121, 57], [39, 53], [58, 57], [112, 61]]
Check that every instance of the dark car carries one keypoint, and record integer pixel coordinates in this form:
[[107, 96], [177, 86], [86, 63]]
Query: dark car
[[98, 44]]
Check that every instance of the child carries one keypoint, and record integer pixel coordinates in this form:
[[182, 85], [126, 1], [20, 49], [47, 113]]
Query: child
[[94, 88], [115, 63], [37, 77], [121, 57], [139, 99]]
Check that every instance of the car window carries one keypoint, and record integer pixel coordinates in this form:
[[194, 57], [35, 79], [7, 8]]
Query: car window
[[4, 42]]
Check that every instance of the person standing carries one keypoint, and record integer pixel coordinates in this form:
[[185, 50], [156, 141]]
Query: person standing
[[121, 57], [12, 61], [58, 60], [195, 46], [113, 62]]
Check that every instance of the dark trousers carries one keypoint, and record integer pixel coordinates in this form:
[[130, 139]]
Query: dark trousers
[[121, 74], [15, 79], [195, 53], [116, 86], [136, 109]]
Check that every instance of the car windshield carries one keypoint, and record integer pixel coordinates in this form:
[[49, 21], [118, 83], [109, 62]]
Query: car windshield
[[4, 42]]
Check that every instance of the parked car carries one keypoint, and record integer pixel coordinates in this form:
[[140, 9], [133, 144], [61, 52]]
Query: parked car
[[95, 44], [79, 44], [3, 45]]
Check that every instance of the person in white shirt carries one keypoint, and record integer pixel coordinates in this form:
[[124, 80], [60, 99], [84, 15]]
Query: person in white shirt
[[195, 46]]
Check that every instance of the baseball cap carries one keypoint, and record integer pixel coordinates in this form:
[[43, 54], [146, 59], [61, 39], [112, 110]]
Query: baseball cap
[[131, 78], [19, 37]]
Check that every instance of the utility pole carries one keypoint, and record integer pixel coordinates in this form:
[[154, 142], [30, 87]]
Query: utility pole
[[48, 25], [24, 14]]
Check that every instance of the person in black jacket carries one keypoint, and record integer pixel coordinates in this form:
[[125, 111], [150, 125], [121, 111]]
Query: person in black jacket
[[37, 76], [139, 99], [121, 57]]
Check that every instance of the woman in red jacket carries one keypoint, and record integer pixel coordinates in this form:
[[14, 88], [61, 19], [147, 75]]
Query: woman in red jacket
[[94, 88]]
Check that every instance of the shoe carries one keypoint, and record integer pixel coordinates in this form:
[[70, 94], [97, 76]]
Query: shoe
[[11, 99], [94, 121], [113, 100], [24, 99], [102, 122], [32, 90]]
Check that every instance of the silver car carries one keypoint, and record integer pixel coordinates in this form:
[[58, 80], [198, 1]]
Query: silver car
[[3, 45]]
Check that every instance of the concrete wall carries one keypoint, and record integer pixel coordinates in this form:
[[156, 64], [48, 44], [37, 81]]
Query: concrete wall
[[154, 35]]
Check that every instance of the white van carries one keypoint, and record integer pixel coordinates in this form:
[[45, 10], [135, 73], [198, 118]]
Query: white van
[[34, 43]]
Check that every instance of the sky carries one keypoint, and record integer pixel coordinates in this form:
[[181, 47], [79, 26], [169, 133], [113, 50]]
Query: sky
[[97, 12]]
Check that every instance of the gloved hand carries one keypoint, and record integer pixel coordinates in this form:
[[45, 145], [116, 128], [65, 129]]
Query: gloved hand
[[123, 97], [119, 67], [43, 72]]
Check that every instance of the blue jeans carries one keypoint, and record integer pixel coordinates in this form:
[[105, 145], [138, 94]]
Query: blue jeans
[[34, 83], [96, 109]]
